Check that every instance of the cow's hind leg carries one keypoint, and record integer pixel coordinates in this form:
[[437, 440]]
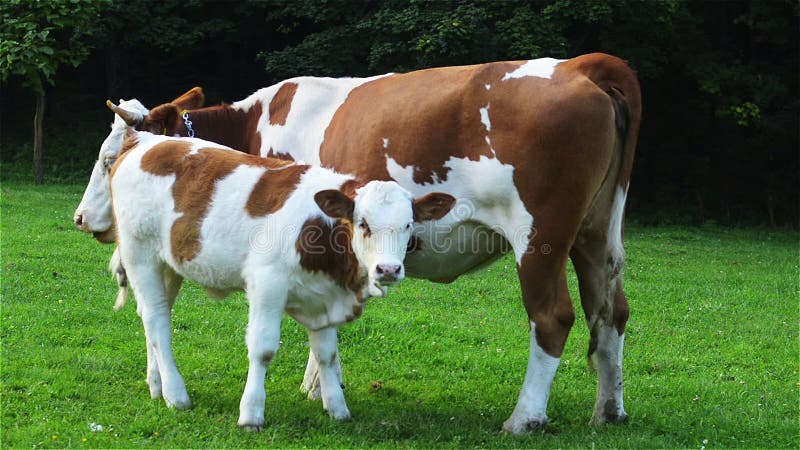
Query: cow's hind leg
[[155, 290], [547, 302], [267, 293], [325, 351], [598, 263]]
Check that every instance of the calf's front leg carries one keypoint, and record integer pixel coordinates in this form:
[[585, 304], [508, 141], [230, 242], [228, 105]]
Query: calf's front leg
[[267, 296]]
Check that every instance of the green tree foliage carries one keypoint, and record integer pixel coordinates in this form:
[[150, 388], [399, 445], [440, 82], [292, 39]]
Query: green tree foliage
[[719, 79], [37, 37], [720, 135]]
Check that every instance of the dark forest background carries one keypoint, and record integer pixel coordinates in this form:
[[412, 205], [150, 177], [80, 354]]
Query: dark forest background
[[719, 141]]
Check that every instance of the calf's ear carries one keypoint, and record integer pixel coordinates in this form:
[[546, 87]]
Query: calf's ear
[[163, 119], [191, 99], [335, 204], [432, 206]]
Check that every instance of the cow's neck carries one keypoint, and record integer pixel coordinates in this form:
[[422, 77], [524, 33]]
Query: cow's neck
[[227, 126]]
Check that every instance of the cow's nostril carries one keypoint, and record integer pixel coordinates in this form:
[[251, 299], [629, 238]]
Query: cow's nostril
[[78, 220], [379, 269]]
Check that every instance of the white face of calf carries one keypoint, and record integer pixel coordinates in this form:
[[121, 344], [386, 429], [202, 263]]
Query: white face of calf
[[383, 214], [94, 213]]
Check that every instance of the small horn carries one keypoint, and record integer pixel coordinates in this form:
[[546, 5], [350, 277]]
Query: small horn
[[130, 118]]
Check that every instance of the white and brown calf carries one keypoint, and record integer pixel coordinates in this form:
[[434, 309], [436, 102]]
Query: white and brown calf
[[295, 238]]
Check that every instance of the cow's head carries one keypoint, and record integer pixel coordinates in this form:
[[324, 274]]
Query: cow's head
[[166, 118], [382, 215], [94, 212]]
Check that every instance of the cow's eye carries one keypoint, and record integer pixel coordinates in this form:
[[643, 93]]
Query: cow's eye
[[363, 225], [408, 226], [108, 162]]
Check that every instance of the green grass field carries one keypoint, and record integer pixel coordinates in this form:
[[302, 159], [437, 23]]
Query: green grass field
[[711, 356]]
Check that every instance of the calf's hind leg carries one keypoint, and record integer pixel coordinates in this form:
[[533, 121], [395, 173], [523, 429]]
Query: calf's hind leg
[[310, 384], [326, 354]]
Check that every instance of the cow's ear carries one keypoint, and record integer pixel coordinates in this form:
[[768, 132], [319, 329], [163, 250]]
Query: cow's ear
[[192, 99], [432, 206], [162, 119], [335, 204]]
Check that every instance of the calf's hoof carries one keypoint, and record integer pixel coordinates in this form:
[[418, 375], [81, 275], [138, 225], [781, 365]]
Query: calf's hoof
[[340, 416], [512, 426], [251, 428], [315, 393], [179, 403]]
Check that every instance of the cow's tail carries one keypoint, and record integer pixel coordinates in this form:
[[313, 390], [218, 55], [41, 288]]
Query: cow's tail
[[118, 272], [619, 81]]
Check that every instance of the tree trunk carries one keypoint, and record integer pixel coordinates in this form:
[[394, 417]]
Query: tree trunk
[[38, 119]]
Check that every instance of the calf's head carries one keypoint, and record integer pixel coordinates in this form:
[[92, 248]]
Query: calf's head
[[381, 215]]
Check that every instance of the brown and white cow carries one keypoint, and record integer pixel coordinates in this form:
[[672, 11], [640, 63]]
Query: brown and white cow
[[284, 233], [539, 154]]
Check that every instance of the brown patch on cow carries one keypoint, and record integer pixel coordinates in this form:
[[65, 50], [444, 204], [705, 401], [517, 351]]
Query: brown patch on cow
[[428, 116], [272, 189], [196, 174], [327, 249], [222, 124], [163, 119], [281, 104], [191, 99]]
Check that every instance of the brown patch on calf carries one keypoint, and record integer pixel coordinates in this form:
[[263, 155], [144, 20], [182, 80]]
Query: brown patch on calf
[[281, 104], [195, 177], [327, 249], [349, 188], [272, 189]]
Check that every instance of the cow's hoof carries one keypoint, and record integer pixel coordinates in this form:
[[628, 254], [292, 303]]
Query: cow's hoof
[[599, 419], [512, 426]]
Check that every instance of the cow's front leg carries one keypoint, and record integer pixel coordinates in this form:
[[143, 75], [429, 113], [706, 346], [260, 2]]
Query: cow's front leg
[[310, 383], [324, 349], [267, 297]]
